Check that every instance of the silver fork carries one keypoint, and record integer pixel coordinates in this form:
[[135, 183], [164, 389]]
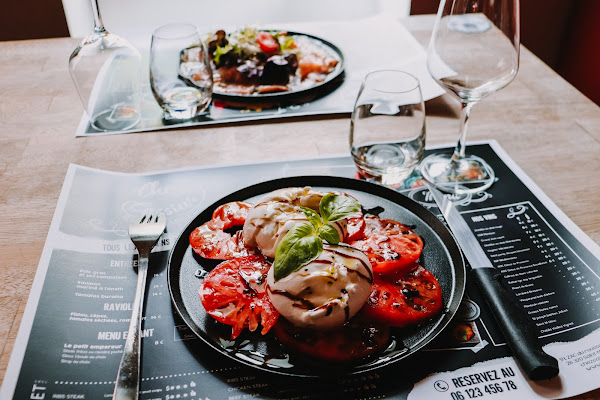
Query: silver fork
[[144, 233]]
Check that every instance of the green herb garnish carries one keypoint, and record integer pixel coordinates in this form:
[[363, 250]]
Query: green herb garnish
[[288, 43], [304, 242], [222, 50]]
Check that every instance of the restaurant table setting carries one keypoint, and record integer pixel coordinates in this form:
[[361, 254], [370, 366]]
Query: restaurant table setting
[[120, 303], [82, 296], [362, 46]]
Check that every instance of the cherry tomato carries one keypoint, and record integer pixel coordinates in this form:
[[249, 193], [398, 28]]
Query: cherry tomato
[[267, 42], [353, 341], [210, 239], [234, 293], [406, 299]]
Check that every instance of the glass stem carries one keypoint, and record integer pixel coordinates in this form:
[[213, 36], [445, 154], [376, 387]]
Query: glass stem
[[98, 25], [459, 150]]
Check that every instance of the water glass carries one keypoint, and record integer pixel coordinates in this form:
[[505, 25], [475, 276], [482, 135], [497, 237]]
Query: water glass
[[180, 73], [387, 129]]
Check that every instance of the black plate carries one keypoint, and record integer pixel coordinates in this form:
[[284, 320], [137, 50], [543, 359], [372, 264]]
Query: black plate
[[441, 255], [332, 81]]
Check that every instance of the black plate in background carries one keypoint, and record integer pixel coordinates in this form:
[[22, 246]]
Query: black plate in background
[[441, 255], [280, 99]]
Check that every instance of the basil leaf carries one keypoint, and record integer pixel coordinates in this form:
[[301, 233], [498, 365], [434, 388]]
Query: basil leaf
[[297, 248], [329, 233], [334, 207], [313, 217]]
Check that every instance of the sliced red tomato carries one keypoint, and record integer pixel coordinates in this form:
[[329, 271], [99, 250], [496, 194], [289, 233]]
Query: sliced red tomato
[[390, 254], [353, 341], [406, 299], [210, 239], [231, 214], [386, 227], [234, 293], [215, 244], [267, 42], [356, 227]]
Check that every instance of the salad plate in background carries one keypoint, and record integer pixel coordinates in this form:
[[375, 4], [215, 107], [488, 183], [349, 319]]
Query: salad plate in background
[[253, 65]]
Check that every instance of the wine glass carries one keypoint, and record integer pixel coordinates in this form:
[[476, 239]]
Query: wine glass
[[180, 73], [474, 51], [106, 71], [387, 128]]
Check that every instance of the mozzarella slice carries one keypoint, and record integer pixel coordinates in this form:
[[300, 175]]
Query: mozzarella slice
[[277, 212]]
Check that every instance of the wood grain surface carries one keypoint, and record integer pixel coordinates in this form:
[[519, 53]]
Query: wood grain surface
[[549, 128]]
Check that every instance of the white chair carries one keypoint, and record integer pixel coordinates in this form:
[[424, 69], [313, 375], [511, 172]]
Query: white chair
[[131, 18]]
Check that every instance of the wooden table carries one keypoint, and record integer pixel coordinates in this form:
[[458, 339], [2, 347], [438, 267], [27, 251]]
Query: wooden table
[[549, 128]]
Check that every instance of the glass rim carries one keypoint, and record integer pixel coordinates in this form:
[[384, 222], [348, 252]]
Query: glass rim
[[160, 32], [410, 88]]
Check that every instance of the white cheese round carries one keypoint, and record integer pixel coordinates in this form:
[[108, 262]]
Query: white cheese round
[[325, 293]]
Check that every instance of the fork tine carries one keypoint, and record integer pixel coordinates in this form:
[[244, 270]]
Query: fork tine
[[151, 219]]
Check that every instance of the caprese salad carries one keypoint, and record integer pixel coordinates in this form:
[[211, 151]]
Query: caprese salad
[[328, 279]]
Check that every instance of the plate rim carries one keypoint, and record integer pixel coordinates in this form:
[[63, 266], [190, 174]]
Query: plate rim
[[455, 255], [331, 77]]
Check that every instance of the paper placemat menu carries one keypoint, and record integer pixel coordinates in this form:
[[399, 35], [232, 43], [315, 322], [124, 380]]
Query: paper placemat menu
[[71, 339]]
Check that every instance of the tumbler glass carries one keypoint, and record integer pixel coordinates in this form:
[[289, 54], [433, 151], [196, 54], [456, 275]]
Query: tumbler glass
[[387, 128], [180, 73]]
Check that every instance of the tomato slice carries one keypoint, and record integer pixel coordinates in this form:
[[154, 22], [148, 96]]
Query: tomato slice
[[231, 214], [210, 239], [234, 293], [406, 299], [390, 254], [356, 227], [215, 244], [267, 42], [354, 341], [390, 245], [386, 227]]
